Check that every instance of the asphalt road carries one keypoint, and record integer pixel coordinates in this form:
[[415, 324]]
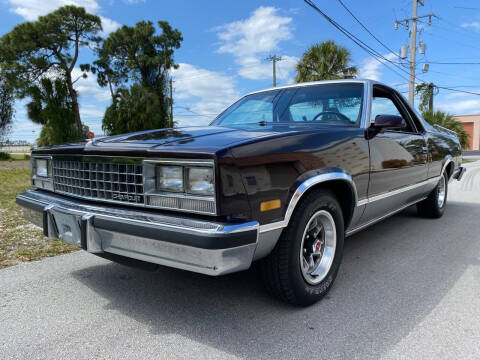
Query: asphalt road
[[409, 288]]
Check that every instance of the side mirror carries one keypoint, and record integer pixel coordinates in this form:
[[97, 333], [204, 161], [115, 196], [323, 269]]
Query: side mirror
[[389, 122], [385, 122]]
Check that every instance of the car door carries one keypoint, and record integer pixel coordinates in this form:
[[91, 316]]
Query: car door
[[398, 159]]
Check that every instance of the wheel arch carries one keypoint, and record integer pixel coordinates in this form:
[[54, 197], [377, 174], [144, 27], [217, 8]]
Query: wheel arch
[[448, 167], [337, 180]]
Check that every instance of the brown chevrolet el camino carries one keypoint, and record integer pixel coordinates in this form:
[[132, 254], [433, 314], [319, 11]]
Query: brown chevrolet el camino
[[280, 177]]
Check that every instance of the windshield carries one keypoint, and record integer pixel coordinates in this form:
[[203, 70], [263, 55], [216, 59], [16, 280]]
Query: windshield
[[307, 106]]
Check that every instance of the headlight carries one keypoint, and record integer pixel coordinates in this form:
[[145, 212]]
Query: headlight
[[181, 185], [200, 181], [170, 178], [41, 167], [41, 173]]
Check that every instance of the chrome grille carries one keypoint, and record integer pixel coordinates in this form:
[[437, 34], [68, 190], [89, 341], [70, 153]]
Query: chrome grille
[[111, 181]]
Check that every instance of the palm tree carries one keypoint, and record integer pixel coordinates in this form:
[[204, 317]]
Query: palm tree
[[447, 121], [325, 61]]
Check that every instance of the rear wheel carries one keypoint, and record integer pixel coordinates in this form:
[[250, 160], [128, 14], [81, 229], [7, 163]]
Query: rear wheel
[[304, 264], [434, 205]]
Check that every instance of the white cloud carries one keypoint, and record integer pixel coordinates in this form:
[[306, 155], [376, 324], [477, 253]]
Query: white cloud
[[372, 69], [458, 103], [475, 25], [92, 116], [261, 32], [31, 9], [252, 39], [203, 92], [108, 25], [89, 87], [89, 112], [467, 105]]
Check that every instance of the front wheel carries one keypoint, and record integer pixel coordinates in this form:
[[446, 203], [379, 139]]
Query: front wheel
[[304, 264], [434, 205]]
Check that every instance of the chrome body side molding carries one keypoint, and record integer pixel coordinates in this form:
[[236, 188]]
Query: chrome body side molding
[[374, 221], [386, 195], [432, 180]]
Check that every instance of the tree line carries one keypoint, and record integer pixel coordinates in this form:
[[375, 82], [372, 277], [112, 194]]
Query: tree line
[[38, 61]]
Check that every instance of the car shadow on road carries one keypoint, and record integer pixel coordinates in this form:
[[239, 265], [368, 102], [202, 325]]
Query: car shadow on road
[[393, 275]]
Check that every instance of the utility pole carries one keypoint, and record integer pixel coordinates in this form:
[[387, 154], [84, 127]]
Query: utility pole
[[413, 53], [430, 96], [413, 43], [274, 58], [171, 103]]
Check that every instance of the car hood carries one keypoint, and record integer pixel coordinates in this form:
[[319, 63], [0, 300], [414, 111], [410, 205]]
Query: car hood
[[206, 139]]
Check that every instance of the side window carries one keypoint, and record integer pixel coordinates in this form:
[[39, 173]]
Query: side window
[[331, 104], [382, 105]]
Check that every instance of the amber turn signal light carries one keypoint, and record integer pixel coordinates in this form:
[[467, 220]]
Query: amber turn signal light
[[270, 205]]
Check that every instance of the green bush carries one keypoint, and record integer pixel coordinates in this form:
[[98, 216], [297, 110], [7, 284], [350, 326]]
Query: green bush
[[5, 156], [135, 109]]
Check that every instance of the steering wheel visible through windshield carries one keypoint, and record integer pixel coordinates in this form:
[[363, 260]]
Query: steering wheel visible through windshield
[[302, 106]]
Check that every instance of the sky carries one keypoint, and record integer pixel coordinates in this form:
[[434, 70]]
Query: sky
[[226, 45]]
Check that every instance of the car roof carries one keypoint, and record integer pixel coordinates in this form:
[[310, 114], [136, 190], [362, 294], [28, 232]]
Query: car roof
[[322, 82]]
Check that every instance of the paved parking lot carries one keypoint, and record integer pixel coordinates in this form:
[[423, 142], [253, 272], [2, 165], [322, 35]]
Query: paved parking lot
[[409, 288]]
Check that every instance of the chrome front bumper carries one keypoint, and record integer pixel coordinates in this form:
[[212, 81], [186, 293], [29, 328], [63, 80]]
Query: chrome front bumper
[[196, 245]]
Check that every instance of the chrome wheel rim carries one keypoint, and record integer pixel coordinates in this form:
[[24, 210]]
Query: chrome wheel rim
[[441, 192], [318, 247]]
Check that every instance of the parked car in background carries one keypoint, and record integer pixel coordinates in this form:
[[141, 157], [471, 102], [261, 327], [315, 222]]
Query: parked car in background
[[281, 177]]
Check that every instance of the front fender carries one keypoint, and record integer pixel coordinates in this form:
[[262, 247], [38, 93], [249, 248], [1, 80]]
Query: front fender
[[315, 178]]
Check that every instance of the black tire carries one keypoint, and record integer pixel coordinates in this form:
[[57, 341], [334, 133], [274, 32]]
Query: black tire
[[431, 207], [281, 270]]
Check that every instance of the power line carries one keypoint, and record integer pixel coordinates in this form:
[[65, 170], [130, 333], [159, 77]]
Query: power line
[[205, 72], [372, 52], [193, 112], [463, 86], [466, 8], [456, 90], [458, 28], [451, 89], [455, 40], [366, 29], [449, 63], [450, 75], [192, 115]]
